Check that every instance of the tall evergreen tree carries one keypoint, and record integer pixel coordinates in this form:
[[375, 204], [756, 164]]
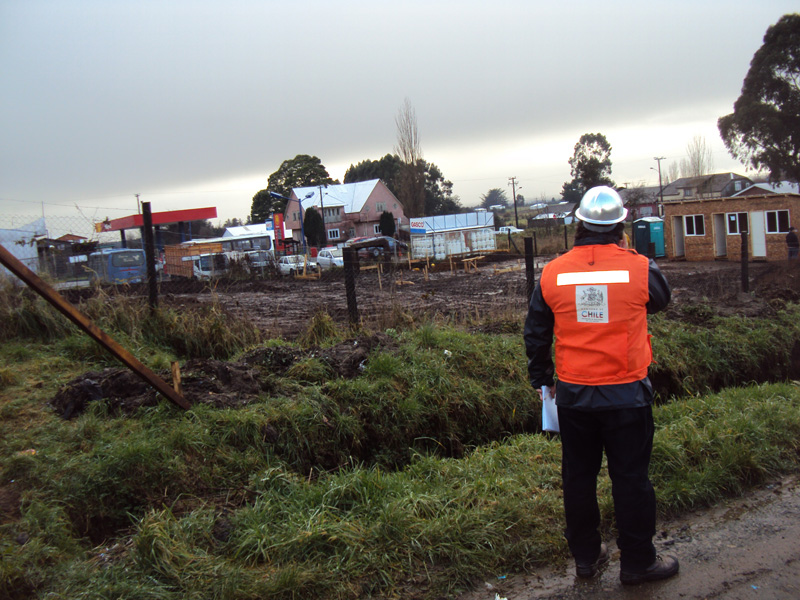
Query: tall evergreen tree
[[764, 128], [301, 171], [314, 228], [590, 166], [386, 224]]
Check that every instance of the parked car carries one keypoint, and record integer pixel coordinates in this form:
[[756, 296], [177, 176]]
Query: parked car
[[508, 229], [330, 257], [377, 246], [293, 265]]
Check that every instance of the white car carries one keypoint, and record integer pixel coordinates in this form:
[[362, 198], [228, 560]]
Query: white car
[[507, 230], [293, 265], [330, 257]]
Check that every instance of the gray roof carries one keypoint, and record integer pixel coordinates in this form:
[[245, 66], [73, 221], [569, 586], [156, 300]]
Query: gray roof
[[715, 184], [784, 187]]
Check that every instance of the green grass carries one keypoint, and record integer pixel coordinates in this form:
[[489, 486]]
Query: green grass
[[432, 527], [203, 332], [723, 352], [415, 478]]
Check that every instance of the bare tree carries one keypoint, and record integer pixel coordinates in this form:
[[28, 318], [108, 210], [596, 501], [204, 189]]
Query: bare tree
[[411, 188], [699, 160], [635, 196], [672, 174]]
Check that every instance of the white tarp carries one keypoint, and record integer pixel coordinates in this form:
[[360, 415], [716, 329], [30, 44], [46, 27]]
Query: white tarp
[[21, 242], [459, 221]]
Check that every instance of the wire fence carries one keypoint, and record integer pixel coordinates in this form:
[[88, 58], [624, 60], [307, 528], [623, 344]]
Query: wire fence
[[281, 293]]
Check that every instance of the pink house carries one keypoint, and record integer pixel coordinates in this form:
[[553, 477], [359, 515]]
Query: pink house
[[349, 210]]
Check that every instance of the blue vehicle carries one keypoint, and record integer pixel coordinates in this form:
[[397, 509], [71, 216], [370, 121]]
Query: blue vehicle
[[117, 266]]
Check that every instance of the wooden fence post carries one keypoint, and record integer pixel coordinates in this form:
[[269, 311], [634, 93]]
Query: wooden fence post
[[530, 269], [745, 263], [150, 255], [349, 255]]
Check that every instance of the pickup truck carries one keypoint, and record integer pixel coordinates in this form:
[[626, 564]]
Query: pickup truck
[[507, 229]]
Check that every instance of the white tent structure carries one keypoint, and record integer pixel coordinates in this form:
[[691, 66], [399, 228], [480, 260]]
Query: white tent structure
[[21, 242]]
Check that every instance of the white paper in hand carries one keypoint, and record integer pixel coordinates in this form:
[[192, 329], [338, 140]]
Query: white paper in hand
[[549, 410]]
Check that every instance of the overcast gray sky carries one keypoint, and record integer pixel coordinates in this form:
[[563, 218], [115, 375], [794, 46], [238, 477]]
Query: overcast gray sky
[[195, 103]]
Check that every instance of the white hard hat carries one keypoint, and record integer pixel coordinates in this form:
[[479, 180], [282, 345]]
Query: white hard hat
[[601, 206]]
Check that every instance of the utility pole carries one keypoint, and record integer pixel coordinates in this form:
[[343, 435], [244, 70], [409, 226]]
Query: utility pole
[[513, 183], [658, 159], [322, 210], [138, 204]]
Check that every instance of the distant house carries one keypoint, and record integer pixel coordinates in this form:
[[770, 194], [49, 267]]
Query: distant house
[[766, 189], [719, 185], [641, 202], [711, 229], [71, 238], [350, 209]]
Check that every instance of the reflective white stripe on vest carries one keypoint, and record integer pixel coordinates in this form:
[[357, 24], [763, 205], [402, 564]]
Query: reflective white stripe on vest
[[592, 277]]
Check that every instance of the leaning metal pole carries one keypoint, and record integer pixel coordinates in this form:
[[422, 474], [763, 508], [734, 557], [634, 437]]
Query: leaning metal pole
[[33, 281]]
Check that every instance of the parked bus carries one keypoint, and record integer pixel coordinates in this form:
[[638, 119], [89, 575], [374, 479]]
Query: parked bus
[[117, 266]]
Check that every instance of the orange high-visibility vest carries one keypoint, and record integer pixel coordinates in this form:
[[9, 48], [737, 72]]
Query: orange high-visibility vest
[[598, 295]]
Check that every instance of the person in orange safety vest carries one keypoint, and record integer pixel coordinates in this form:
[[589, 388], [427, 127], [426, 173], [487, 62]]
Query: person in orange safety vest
[[595, 300]]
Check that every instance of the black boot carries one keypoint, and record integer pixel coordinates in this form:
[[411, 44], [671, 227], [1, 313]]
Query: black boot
[[664, 567], [587, 569]]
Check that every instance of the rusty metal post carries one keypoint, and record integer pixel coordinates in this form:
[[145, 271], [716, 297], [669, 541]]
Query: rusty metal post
[[745, 263], [33, 281], [150, 255], [350, 258]]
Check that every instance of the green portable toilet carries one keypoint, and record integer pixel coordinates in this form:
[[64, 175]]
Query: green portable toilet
[[646, 231]]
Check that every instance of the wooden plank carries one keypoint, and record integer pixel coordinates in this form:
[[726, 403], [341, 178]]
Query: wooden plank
[[176, 377], [33, 281]]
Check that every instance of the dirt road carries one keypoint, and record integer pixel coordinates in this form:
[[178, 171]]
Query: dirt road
[[747, 548]]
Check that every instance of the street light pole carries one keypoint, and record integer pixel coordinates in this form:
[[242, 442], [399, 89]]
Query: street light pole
[[658, 159], [513, 181]]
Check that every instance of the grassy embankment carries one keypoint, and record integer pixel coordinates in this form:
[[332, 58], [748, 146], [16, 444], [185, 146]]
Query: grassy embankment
[[451, 482]]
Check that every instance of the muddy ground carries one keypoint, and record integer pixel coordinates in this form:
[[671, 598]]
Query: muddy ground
[[495, 291], [745, 548], [490, 299]]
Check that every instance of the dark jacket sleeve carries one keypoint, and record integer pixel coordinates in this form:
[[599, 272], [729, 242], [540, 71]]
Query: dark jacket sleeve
[[660, 292], [538, 336]]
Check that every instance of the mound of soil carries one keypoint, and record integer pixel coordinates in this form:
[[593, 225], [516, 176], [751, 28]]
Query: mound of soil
[[214, 382]]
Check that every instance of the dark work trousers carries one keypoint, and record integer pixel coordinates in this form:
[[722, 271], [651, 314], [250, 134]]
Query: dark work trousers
[[626, 435]]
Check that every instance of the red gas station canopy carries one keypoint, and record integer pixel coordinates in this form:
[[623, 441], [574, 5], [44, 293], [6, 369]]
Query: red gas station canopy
[[159, 218]]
